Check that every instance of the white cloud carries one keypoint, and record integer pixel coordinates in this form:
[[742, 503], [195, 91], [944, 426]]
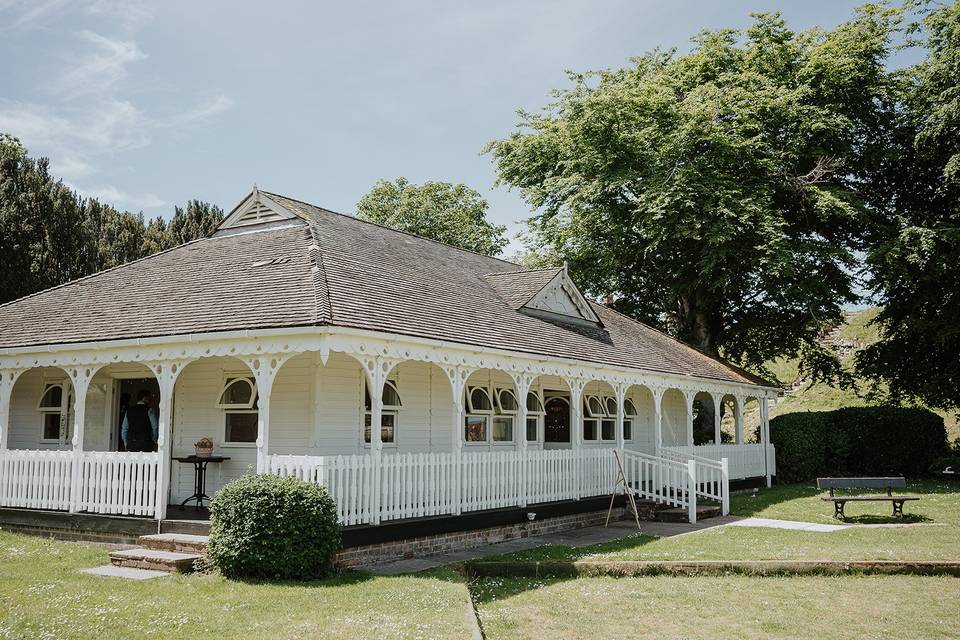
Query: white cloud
[[32, 14], [207, 108], [114, 196], [100, 69]]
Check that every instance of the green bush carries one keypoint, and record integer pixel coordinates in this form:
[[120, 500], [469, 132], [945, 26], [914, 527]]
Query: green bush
[[269, 526], [857, 441]]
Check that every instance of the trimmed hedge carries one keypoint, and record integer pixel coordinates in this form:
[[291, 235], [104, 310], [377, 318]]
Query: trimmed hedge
[[268, 526], [857, 441]]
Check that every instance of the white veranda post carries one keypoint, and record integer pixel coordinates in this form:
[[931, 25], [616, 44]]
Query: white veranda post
[[523, 382], [717, 409], [8, 378], [765, 437], [689, 397], [620, 393], [739, 419], [377, 371], [166, 373], [80, 378], [264, 368], [458, 382], [576, 427], [658, 418]]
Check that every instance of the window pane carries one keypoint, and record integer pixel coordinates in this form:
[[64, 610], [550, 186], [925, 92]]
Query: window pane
[[589, 429], [596, 409], [475, 429], [611, 406], [51, 426], [502, 429], [390, 396], [241, 427], [388, 423], [366, 428], [52, 397], [479, 400], [629, 408], [366, 399], [531, 429], [607, 429], [508, 401], [533, 403], [627, 429], [238, 392]]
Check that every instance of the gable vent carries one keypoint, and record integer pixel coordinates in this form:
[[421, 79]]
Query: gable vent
[[257, 213]]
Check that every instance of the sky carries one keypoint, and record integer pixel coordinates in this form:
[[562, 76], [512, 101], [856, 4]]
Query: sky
[[147, 105]]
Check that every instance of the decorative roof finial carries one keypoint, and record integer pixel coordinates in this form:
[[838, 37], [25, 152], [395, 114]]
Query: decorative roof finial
[[565, 268]]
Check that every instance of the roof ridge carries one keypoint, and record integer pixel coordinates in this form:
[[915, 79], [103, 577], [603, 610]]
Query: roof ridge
[[510, 273], [101, 272], [322, 302], [383, 226], [717, 359]]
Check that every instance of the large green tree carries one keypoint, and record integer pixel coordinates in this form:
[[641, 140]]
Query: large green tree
[[915, 260], [714, 194], [451, 213], [50, 235]]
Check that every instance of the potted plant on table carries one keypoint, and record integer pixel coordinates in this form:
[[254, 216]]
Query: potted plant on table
[[203, 447]]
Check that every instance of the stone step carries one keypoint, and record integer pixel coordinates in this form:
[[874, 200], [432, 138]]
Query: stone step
[[179, 542], [170, 561], [679, 514]]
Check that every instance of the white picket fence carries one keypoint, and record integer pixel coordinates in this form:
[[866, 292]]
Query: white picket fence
[[35, 479], [745, 460], [109, 482], [118, 483], [414, 485], [661, 480]]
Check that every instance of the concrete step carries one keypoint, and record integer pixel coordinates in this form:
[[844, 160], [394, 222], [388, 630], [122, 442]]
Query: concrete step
[[170, 561], [179, 542], [679, 514]]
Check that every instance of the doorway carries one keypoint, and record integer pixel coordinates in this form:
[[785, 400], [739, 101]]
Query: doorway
[[556, 424], [126, 394]]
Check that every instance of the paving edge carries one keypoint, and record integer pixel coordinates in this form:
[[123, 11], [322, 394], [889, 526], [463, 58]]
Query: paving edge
[[627, 568]]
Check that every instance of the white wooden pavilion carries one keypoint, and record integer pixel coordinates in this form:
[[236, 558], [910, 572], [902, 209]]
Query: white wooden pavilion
[[291, 330]]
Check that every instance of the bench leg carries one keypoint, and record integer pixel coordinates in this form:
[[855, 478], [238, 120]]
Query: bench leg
[[838, 510], [897, 508]]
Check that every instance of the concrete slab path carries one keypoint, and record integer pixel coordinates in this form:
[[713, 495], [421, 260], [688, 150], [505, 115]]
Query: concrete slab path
[[790, 525], [129, 573], [576, 538]]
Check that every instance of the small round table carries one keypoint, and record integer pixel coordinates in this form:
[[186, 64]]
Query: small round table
[[199, 477]]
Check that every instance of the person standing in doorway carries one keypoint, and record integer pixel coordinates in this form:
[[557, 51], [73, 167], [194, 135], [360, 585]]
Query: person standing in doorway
[[140, 426]]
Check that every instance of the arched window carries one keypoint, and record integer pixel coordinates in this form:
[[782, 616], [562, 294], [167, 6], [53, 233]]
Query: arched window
[[478, 400], [535, 415], [238, 400], [507, 401], [629, 415], [608, 426], [54, 410], [486, 421], [389, 415]]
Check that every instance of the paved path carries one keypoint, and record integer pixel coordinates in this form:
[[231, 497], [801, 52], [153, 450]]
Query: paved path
[[575, 538], [790, 525]]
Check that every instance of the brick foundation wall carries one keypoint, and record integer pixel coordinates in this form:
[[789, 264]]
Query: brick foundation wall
[[456, 541]]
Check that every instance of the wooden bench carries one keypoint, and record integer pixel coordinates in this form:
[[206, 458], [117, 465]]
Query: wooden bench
[[864, 483]]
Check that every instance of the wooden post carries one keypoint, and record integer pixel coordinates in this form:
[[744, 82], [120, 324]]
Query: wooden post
[[576, 431], [458, 382], [80, 378], [166, 374], [739, 419], [264, 367], [765, 438], [620, 392], [692, 491], [522, 382], [725, 486], [689, 396], [8, 378], [717, 411], [658, 418]]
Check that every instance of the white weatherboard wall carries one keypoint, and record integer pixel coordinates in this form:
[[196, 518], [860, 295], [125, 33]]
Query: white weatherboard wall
[[674, 427]]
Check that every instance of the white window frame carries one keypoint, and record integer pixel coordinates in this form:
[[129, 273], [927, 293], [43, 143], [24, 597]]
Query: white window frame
[[249, 407], [536, 414], [606, 401], [488, 415], [629, 417], [388, 410], [64, 433]]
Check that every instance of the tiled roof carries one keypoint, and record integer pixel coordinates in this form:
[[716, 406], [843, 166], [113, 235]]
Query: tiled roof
[[341, 271], [518, 287]]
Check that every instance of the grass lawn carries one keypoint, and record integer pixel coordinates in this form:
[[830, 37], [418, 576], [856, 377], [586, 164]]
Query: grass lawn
[[43, 596], [937, 536], [720, 607]]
